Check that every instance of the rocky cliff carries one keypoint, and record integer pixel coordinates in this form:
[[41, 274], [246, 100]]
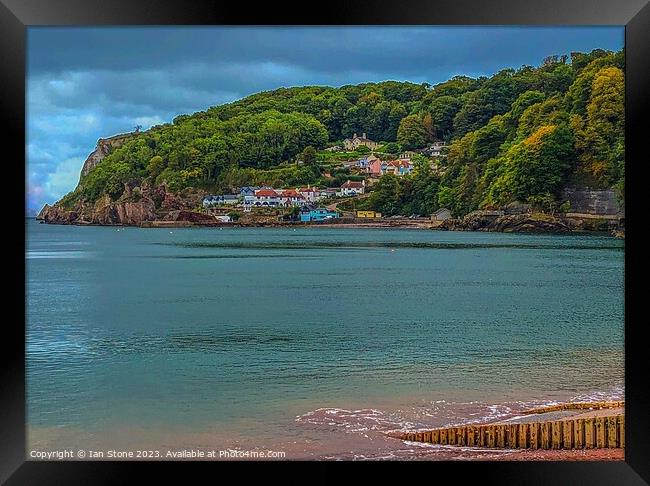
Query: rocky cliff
[[530, 223], [102, 149], [135, 206]]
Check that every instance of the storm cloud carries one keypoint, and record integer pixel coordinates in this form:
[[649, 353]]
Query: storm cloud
[[87, 83]]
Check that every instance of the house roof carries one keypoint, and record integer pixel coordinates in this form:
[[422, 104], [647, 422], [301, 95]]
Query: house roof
[[352, 185], [291, 193], [266, 192], [307, 189], [400, 163]]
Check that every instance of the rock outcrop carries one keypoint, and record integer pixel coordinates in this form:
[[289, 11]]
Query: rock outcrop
[[524, 223], [102, 149]]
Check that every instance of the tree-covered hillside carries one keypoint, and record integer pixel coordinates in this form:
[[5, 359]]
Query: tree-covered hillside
[[518, 135]]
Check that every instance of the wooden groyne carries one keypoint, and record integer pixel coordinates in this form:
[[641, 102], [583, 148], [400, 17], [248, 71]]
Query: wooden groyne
[[587, 433], [575, 406]]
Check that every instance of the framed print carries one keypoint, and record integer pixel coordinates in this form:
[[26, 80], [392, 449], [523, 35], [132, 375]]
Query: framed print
[[392, 234]]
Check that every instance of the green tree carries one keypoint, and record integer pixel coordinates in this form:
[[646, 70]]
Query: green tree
[[411, 133]]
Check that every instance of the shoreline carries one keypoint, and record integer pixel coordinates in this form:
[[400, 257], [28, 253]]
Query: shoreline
[[400, 224]]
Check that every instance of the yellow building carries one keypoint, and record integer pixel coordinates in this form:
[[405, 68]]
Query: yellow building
[[368, 214]]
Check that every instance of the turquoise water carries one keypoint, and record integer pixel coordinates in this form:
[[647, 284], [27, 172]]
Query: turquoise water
[[313, 340]]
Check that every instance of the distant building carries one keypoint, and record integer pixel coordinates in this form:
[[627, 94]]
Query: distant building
[[434, 150], [330, 192], [353, 188], [355, 142], [291, 197], [335, 148], [365, 162], [309, 193], [248, 190], [266, 198], [441, 214], [219, 200], [318, 214], [367, 214], [397, 167], [374, 168], [224, 218], [407, 155]]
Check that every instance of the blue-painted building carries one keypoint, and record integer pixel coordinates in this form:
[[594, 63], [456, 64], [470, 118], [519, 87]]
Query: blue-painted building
[[318, 214]]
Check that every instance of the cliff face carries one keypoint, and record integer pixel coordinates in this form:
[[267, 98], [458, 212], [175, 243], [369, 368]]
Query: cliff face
[[137, 205], [103, 147]]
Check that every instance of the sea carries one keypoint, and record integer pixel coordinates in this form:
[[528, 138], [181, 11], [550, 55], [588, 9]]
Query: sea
[[309, 342]]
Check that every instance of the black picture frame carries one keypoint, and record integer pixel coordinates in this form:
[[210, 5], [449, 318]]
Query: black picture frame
[[17, 15]]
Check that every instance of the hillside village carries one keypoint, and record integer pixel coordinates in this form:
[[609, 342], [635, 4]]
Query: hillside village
[[366, 169], [546, 140]]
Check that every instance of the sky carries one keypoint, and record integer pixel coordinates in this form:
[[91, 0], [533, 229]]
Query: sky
[[92, 82]]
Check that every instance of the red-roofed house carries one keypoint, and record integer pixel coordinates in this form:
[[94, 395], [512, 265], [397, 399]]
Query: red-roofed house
[[353, 188], [309, 193], [291, 197], [266, 197]]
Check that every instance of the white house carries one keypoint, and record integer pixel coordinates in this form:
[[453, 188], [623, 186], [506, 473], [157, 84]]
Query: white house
[[353, 188]]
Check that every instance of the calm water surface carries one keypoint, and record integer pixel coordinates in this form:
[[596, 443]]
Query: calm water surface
[[313, 341]]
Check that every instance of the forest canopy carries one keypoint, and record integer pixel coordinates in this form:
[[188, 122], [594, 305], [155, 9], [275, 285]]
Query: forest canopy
[[519, 135]]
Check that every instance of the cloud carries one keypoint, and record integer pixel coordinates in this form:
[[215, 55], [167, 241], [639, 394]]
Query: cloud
[[84, 83]]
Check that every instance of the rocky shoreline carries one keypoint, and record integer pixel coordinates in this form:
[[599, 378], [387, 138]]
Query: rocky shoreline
[[156, 207]]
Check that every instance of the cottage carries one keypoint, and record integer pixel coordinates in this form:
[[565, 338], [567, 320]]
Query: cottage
[[375, 167], [266, 197], [210, 201], [365, 162], [309, 193], [224, 218], [330, 192], [291, 197], [353, 188], [248, 190], [434, 150], [397, 167], [441, 214], [318, 214], [355, 142], [407, 155]]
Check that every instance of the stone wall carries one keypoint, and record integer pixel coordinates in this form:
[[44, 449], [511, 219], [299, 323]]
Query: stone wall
[[601, 202]]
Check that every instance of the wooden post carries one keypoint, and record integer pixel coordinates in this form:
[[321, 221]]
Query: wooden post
[[522, 440], [590, 434], [501, 435], [534, 435], [556, 434], [435, 436], [612, 439], [490, 436], [443, 436], [546, 436], [579, 433], [621, 431], [511, 434], [600, 432], [471, 435], [482, 440], [451, 436], [427, 437], [462, 436], [418, 437], [567, 430]]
